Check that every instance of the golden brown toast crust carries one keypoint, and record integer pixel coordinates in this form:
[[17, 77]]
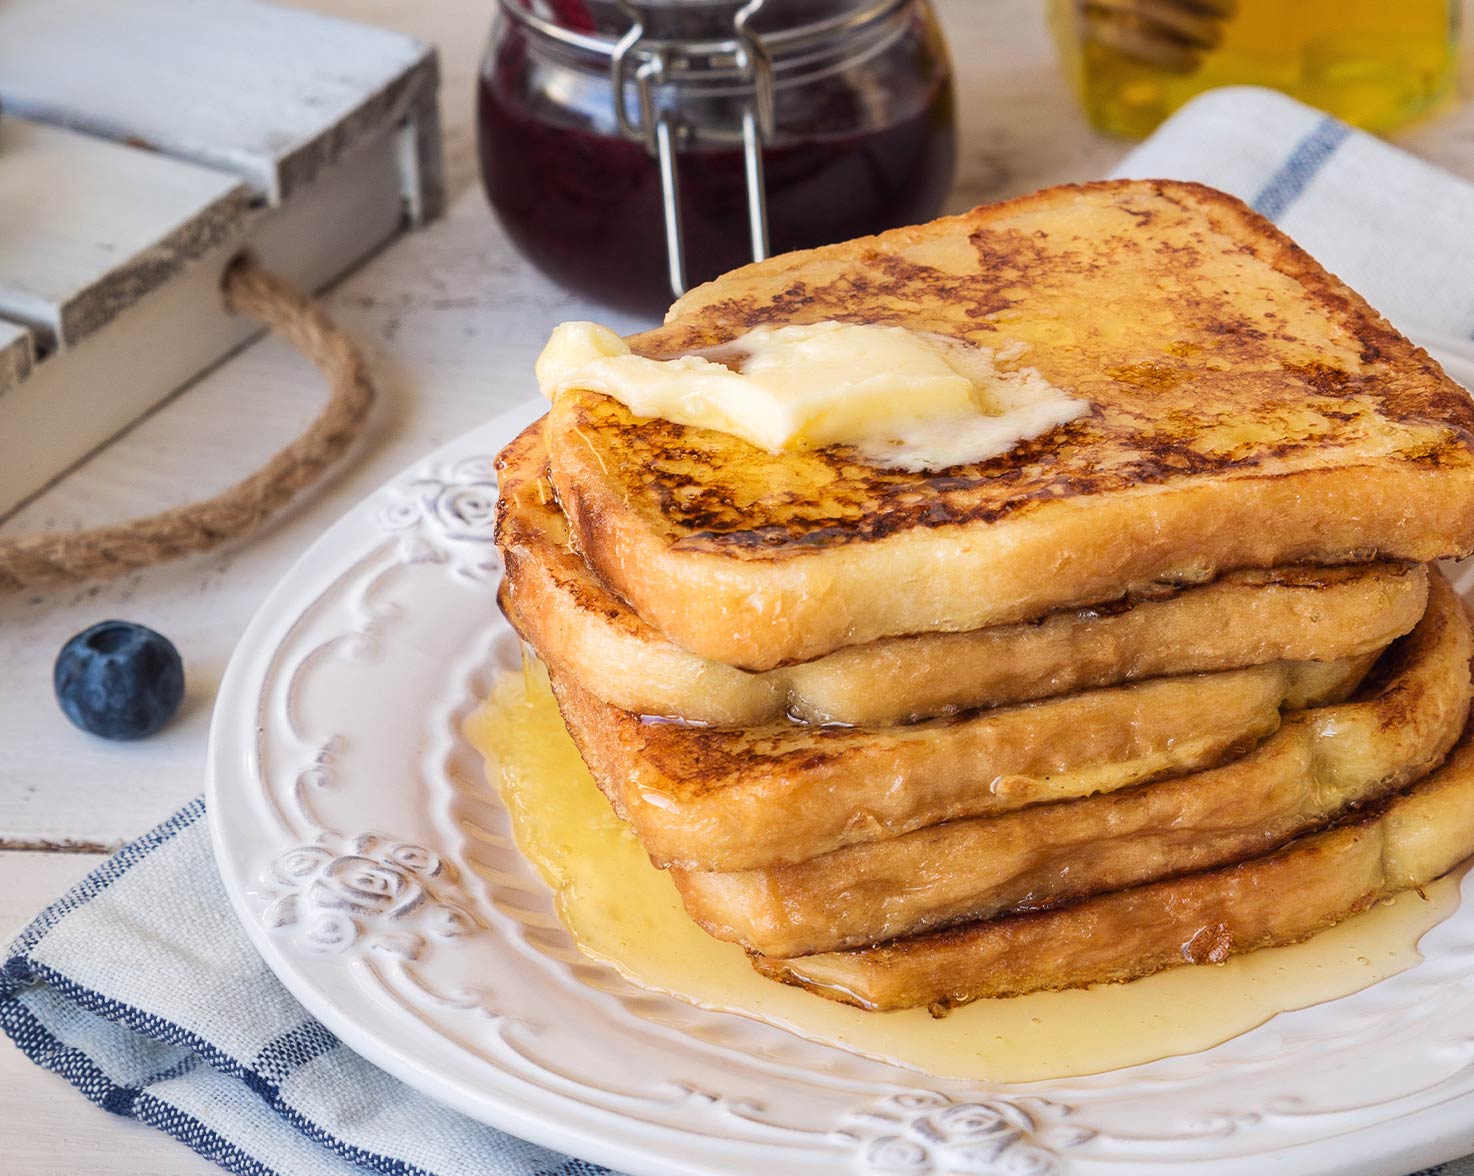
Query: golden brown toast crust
[[1248, 410], [587, 633], [1319, 764], [714, 799], [1196, 919]]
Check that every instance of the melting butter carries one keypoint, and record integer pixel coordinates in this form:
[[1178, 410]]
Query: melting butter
[[902, 398], [625, 913]]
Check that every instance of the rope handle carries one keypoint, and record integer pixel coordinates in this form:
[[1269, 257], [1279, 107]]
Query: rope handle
[[51, 559]]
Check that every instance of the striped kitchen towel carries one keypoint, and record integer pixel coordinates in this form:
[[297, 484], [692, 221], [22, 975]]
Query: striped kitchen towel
[[139, 988]]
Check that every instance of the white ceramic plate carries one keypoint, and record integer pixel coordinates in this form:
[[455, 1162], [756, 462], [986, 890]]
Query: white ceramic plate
[[377, 879]]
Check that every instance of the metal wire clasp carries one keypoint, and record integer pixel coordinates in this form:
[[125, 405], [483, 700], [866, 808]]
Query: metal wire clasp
[[659, 130]]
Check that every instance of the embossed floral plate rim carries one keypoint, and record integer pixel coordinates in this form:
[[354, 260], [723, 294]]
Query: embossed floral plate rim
[[376, 878]]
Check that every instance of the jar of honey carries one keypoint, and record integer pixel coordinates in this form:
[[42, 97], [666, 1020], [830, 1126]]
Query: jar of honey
[[1374, 63], [634, 150]]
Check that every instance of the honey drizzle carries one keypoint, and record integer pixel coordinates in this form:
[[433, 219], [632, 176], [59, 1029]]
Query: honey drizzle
[[622, 911]]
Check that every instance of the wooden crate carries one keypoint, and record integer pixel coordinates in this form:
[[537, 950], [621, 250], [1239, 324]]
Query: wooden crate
[[146, 143]]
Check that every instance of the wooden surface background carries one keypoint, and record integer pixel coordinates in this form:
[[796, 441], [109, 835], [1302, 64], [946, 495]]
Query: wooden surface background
[[146, 145], [452, 319]]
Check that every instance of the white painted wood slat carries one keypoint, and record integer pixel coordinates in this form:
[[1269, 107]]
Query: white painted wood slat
[[269, 93], [87, 227], [144, 145], [17, 353], [74, 402]]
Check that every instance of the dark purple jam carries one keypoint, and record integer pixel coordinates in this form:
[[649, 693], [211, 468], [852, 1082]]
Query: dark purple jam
[[584, 206]]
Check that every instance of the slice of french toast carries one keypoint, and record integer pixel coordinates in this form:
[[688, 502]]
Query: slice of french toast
[[1319, 765], [1247, 409], [588, 634], [743, 798], [1202, 918]]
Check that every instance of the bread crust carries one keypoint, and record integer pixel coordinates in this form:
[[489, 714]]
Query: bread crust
[[1318, 766], [589, 635], [1248, 410], [1204, 918], [763, 796]]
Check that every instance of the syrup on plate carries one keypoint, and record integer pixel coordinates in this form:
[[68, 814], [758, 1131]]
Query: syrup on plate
[[622, 911]]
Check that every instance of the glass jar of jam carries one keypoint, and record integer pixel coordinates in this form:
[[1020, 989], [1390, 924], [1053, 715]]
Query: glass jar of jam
[[634, 150]]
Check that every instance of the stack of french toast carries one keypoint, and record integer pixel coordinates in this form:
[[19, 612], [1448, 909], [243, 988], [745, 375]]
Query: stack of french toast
[[1175, 680]]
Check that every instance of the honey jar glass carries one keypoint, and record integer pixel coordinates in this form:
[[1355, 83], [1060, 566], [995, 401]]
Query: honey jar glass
[[1375, 63]]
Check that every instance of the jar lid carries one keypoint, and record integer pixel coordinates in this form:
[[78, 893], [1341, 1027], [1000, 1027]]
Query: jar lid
[[697, 28]]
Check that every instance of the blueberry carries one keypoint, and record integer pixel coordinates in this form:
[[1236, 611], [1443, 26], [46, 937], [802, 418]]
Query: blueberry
[[119, 680]]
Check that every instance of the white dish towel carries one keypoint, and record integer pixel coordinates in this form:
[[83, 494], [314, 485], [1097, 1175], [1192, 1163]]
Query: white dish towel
[[139, 988]]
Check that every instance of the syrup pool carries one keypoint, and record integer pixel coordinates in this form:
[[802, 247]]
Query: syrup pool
[[627, 914]]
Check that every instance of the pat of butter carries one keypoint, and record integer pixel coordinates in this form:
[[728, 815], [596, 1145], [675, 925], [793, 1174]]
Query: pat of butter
[[901, 397]]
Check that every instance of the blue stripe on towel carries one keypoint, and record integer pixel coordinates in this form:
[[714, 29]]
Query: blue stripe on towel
[[38, 1044], [1300, 167], [105, 875], [18, 1022], [264, 1074], [283, 1056]]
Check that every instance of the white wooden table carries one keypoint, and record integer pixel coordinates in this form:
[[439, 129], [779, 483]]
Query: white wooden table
[[452, 320]]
